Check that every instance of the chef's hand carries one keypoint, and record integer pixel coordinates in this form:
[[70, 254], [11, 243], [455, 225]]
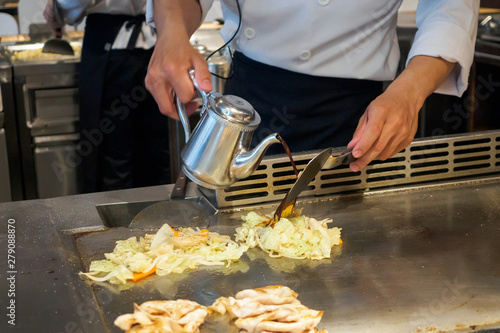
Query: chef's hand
[[50, 17], [173, 57], [390, 122], [168, 75]]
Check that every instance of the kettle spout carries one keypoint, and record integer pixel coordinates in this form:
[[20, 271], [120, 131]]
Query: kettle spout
[[246, 162]]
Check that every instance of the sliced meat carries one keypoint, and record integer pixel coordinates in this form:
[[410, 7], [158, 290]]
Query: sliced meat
[[180, 316], [269, 309]]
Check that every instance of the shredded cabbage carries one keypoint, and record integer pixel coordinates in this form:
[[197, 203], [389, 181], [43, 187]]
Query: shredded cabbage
[[298, 237], [168, 251]]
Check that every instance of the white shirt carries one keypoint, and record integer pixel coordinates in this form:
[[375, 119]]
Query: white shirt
[[349, 39], [73, 11]]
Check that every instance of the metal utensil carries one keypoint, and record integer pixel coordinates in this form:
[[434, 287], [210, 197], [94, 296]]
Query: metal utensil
[[195, 212], [323, 160], [57, 45], [218, 152]]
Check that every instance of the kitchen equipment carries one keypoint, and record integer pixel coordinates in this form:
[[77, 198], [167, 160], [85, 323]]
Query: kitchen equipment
[[57, 45], [425, 160], [177, 212], [219, 66], [5, 192], [10, 161], [45, 91], [420, 250], [322, 160], [204, 51], [217, 153], [195, 212]]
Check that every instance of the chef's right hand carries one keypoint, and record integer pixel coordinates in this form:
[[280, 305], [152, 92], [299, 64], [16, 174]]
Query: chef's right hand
[[168, 74], [50, 17]]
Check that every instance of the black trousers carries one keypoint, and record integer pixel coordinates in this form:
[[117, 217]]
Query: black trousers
[[309, 112], [124, 137]]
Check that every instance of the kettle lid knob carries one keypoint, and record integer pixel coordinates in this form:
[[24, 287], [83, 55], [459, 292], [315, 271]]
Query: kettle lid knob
[[235, 109]]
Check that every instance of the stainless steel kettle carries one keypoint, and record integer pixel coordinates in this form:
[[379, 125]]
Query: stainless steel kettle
[[218, 151]]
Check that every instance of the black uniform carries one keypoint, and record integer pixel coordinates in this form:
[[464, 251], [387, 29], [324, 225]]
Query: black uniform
[[124, 137], [309, 112]]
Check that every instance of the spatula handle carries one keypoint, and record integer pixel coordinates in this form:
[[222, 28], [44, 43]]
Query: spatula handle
[[179, 191]]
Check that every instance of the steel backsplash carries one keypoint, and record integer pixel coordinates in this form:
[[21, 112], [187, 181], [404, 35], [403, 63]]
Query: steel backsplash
[[425, 160]]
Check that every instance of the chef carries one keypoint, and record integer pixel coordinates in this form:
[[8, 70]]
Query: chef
[[314, 69], [123, 138]]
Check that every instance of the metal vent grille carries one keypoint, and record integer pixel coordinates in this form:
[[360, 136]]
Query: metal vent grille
[[424, 160]]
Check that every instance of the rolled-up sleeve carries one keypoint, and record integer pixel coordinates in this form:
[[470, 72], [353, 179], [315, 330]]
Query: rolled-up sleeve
[[205, 6], [447, 29]]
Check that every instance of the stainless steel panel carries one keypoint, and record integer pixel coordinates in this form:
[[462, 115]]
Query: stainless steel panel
[[27, 54], [30, 78], [9, 123], [57, 103], [5, 191], [37, 86], [57, 166], [445, 157], [1, 106]]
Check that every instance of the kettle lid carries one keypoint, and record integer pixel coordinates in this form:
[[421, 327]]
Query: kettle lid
[[234, 109]]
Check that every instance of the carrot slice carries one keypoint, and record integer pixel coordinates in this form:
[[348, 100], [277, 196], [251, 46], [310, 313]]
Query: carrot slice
[[204, 232], [176, 233], [140, 276], [341, 241]]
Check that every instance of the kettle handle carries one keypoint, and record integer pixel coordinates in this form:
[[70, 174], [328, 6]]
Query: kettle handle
[[181, 109], [203, 94]]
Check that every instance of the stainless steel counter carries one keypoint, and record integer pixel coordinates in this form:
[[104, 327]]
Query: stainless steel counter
[[415, 259]]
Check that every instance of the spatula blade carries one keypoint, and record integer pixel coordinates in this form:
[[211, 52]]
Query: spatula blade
[[191, 212], [58, 45]]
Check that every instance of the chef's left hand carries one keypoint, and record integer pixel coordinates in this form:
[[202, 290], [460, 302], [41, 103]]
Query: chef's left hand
[[390, 122], [388, 125]]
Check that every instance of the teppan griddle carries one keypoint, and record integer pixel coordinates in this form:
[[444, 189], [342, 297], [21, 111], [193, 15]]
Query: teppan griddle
[[418, 258]]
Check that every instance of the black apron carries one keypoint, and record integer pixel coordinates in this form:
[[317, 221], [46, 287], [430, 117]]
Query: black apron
[[124, 137], [309, 112]]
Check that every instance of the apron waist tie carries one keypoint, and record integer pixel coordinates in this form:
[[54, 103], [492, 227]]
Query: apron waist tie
[[136, 23]]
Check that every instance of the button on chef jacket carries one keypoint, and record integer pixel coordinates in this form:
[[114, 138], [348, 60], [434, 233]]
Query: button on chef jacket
[[349, 39]]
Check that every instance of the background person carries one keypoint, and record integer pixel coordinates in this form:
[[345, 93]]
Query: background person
[[126, 137]]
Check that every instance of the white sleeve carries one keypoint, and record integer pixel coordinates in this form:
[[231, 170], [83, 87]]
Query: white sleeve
[[71, 11], [447, 29], [149, 13], [205, 6]]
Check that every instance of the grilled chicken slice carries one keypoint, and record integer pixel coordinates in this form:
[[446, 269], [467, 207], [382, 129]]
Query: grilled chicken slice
[[269, 309], [180, 316]]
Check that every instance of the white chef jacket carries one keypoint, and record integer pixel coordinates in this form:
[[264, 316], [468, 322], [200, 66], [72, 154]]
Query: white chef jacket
[[349, 39]]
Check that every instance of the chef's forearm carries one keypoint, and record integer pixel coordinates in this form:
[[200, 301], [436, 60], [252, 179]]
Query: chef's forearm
[[179, 16], [422, 76]]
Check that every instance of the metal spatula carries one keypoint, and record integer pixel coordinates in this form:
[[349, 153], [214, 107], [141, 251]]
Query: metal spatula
[[320, 161], [178, 212], [57, 45]]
